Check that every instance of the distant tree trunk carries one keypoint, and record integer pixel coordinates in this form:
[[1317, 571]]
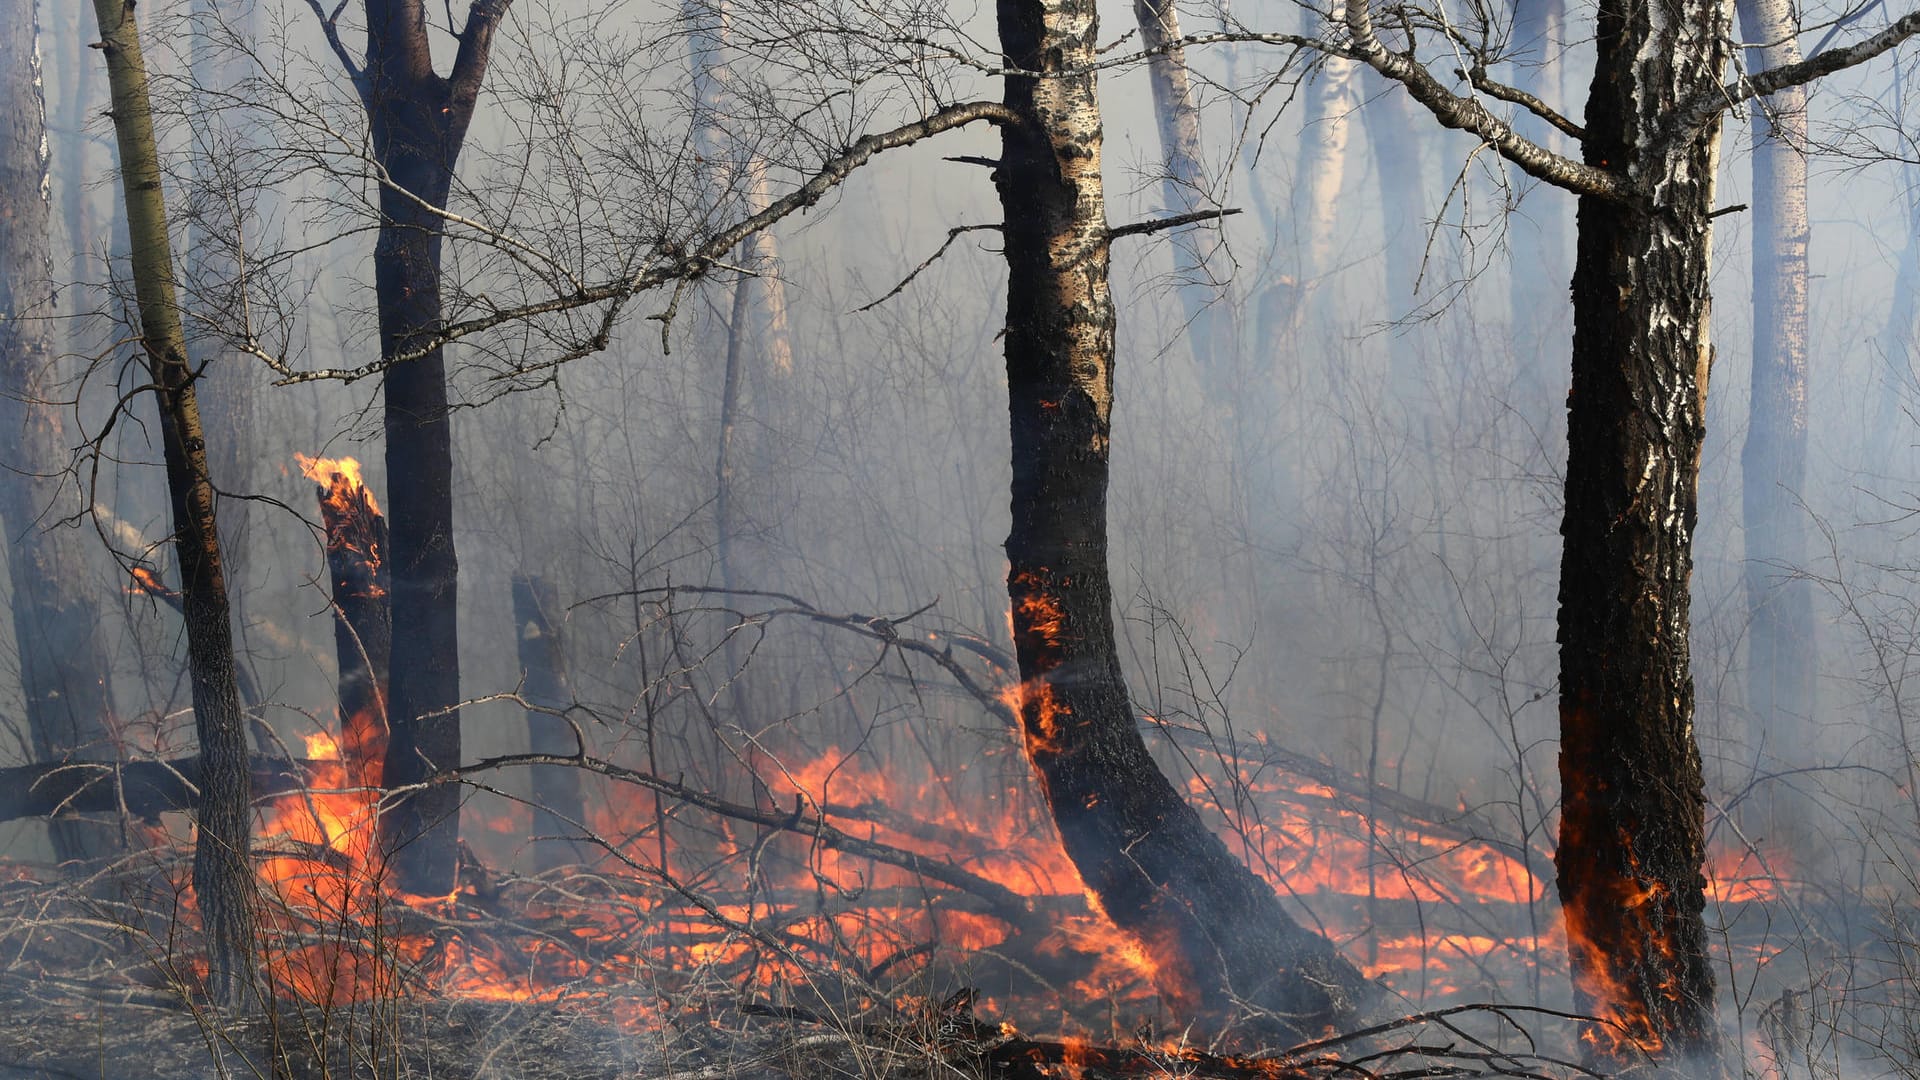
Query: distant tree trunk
[[557, 804], [1198, 279], [63, 670], [1214, 929], [758, 333], [1780, 629], [1891, 434], [223, 877], [1333, 97], [1536, 226], [419, 121], [1395, 141], [219, 219], [1632, 831]]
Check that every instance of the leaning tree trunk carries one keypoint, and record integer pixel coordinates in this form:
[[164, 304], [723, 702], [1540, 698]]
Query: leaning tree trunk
[[1633, 805], [1214, 930], [1780, 630], [63, 670], [222, 872], [418, 121]]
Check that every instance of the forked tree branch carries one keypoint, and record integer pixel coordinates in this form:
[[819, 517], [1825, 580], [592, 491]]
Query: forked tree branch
[[667, 262], [1467, 114]]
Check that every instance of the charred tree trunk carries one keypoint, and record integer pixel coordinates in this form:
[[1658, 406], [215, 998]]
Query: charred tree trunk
[[1214, 929], [222, 872], [557, 805], [419, 120], [63, 670], [1632, 840], [1780, 629], [362, 613]]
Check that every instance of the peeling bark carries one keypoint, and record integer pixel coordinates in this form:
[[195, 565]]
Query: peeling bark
[[1632, 833], [1217, 933]]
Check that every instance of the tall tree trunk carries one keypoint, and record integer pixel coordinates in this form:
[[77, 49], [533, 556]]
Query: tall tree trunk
[[1536, 224], [222, 872], [1395, 141], [1198, 277], [418, 121], [63, 669], [1332, 100], [1214, 930], [1780, 630], [758, 332], [557, 804], [220, 218], [1632, 826]]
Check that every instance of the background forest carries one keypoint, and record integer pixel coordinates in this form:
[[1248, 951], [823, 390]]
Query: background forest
[[743, 533]]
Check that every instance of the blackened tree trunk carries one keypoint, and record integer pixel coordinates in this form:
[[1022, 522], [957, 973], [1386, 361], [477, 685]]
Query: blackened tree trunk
[[557, 805], [1632, 828], [362, 614], [1215, 931], [1633, 801], [1780, 628], [222, 873], [419, 120], [63, 670]]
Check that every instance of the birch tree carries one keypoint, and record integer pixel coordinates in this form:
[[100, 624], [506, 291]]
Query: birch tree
[[1780, 629], [1632, 839], [63, 669], [223, 880]]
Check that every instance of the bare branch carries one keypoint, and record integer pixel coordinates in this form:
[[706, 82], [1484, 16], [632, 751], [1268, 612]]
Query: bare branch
[[1482, 82], [330, 26], [666, 262], [1141, 228], [1467, 114]]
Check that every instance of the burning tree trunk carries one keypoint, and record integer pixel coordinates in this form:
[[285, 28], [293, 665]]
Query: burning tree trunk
[[222, 873], [362, 613], [1215, 931], [418, 121], [557, 805], [1632, 827], [1773, 462], [1633, 803], [63, 671]]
